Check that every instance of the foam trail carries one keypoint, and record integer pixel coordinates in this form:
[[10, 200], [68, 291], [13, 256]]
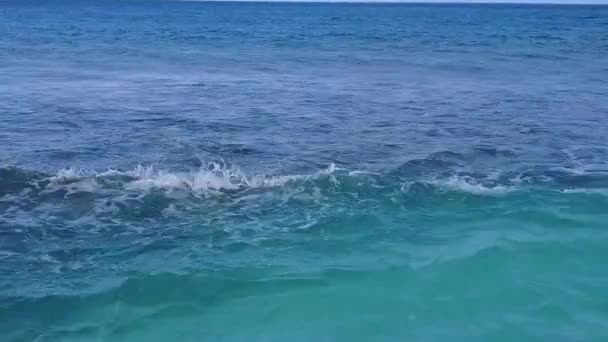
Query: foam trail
[[470, 185], [587, 191], [215, 177]]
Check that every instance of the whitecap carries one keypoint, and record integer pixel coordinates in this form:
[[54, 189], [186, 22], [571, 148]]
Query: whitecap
[[213, 177], [470, 185], [596, 191]]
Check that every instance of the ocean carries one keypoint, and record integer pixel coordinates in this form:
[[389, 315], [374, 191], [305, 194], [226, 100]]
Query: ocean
[[202, 171]]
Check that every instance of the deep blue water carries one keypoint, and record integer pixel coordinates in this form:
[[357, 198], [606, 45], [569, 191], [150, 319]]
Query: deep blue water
[[196, 171]]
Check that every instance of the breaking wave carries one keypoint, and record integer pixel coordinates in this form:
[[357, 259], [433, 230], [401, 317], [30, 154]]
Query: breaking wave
[[53, 223], [220, 178], [215, 177], [470, 185]]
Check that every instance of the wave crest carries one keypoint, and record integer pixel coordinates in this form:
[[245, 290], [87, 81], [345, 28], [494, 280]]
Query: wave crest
[[471, 185], [214, 177]]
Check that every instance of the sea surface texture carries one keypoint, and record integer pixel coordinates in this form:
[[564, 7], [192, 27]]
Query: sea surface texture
[[188, 171]]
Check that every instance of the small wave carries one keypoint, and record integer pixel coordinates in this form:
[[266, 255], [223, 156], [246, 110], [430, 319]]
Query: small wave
[[4, 254], [215, 177], [471, 185], [220, 178], [587, 191]]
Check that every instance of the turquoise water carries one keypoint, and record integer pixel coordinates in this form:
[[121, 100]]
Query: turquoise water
[[303, 172]]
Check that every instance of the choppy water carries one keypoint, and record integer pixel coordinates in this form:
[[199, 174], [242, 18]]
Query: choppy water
[[303, 172]]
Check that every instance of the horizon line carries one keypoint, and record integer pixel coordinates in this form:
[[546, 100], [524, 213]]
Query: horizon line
[[417, 2], [420, 2]]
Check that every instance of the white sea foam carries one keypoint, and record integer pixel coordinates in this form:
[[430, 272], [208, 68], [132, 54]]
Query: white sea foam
[[362, 173], [470, 185], [68, 174], [217, 177], [71, 181], [214, 177], [596, 191]]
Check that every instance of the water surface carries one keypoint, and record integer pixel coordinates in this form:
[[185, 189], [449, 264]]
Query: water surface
[[295, 172]]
